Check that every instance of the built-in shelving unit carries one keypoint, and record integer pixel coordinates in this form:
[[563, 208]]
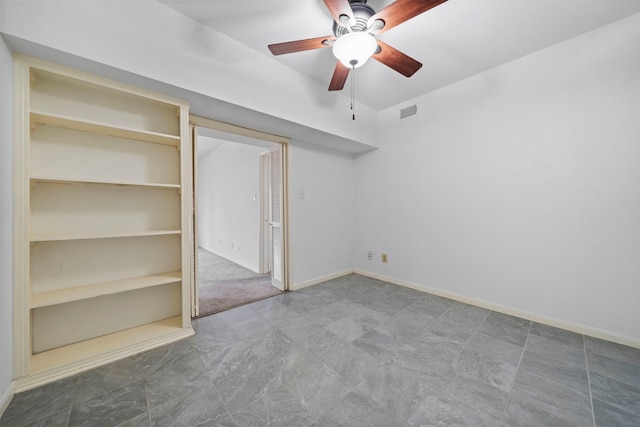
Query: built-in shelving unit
[[103, 213]]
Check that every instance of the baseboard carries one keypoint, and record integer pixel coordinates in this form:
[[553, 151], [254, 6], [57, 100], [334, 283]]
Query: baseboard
[[6, 397], [558, 323], [317, 280]]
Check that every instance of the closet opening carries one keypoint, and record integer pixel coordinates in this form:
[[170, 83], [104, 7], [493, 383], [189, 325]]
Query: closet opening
[[239, 235]]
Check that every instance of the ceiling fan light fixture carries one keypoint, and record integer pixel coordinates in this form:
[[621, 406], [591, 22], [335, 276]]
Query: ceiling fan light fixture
[[354, 49]]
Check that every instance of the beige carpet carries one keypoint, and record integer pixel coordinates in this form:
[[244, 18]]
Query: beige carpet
[[224, 284]]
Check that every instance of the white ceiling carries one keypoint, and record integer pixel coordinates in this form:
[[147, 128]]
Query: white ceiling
[[455, 40]]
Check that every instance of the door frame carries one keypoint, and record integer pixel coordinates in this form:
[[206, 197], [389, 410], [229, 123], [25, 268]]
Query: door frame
[[265, 235], [198, 121]]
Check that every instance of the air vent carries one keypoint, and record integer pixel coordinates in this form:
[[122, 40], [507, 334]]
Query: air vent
[[408, 112]]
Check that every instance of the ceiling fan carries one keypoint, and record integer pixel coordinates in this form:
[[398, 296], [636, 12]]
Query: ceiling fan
[[355, 26]]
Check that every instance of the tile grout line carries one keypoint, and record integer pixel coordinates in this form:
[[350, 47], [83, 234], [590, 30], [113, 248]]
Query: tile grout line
[[504, 412], [525, 345], [69, 415], [472, 335], [586, 361]]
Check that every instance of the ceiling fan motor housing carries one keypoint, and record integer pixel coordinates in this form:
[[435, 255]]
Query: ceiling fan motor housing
[[362, 12]]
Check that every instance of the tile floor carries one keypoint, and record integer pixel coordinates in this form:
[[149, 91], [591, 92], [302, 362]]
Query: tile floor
[[353, 352]]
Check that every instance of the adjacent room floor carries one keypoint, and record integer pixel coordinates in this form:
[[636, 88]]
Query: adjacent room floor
[[224, 284], [353, 352]]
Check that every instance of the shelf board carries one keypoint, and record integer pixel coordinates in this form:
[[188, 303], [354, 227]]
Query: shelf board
[[87, 236], [103, 128], [54, 180], [62, 296], [117, 341]]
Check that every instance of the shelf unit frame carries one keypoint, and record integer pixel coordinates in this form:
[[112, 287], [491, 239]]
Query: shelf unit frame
[[32, 370]]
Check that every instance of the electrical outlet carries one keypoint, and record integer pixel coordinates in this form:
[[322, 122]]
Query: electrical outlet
[[384, 258], [370, 255]]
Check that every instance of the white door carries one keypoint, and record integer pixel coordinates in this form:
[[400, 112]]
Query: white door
[[276, 210]]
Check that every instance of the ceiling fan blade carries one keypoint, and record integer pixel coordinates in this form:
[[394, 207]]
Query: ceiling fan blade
[[339, 77], [339, 8], [300, 45], [393, 58], [401, 10]]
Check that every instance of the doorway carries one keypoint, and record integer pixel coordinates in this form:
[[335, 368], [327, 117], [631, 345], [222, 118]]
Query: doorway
[[239, 234]]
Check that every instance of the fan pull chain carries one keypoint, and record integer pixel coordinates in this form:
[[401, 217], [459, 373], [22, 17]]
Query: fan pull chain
[[353, 84]]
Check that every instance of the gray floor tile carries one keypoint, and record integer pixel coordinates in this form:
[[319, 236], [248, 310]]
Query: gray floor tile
[[298, 330], [380, 346], [40, 402], [320, 342], [616, 393], [451, 332], [483, 398], [253, 328], [465, 316], [161, 357], [624, 372], [367, 316], [556, 334], [390, 306], [613, 350], [485, 368], [212, 332], [319, 388], [295, 363], [273, 344], [400, 328], [141, 420], [278, 408], [397, 390], [111, 409], [183, 376], [557, 371], [202, 407], [326, 314], [282, 317], [247, 387], [426, 363], [507, 328], [229, 368], [521, 414], [59, 419], [348, 328], [446, 411], [105, 379], [607, 415], [566, 352], [431, 305], [496, 348], [552, 397], [357, 409], [352, 363]]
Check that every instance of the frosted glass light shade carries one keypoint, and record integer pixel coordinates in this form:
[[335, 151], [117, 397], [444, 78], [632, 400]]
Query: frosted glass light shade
[[354, 49]]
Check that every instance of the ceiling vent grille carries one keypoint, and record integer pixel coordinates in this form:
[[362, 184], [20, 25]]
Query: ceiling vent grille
[[408, 112]]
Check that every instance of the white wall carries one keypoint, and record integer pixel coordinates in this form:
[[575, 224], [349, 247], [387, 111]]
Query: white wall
[[6, 221], [229, 202], [519, 187], [321, 209]]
